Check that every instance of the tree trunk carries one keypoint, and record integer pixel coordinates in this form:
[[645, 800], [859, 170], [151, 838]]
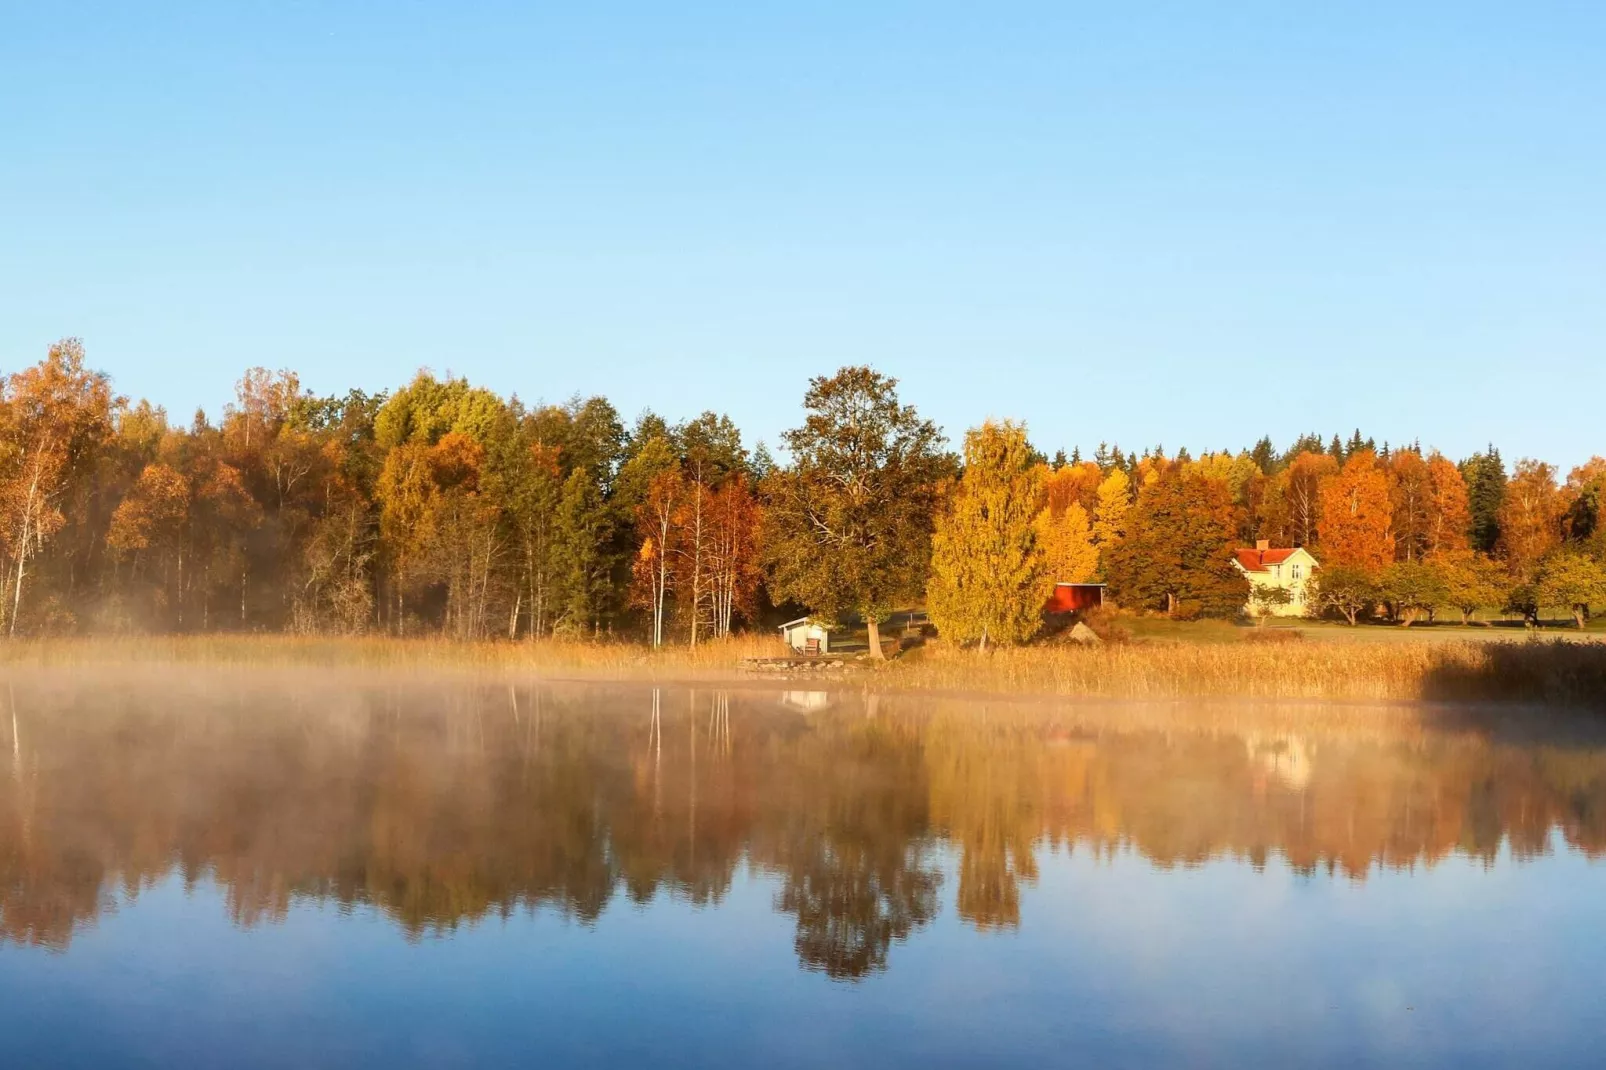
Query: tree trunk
[[16, 601], [874, 627], [1578, 615]]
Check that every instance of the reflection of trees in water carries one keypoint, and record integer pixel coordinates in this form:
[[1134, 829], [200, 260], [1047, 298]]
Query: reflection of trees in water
[[439, 807], [844, 823]]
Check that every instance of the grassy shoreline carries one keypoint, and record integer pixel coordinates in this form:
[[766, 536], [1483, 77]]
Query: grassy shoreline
[[1522, 671]]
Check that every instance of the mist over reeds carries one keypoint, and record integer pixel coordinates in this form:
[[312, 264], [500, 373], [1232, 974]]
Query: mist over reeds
[[1547, 672]]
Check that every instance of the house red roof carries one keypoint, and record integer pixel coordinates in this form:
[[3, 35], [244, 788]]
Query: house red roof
[[1258, 560]]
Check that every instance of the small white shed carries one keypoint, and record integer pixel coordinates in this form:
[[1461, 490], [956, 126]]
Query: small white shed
[[805, 636]]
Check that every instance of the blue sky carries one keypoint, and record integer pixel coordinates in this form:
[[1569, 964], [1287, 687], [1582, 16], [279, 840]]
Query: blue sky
[[1174, 224]]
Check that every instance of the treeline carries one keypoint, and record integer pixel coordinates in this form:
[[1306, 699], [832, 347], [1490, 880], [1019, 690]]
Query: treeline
[[1397, 532], [443, 508]]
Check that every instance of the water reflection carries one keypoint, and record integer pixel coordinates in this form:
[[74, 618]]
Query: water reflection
[[441, 804]]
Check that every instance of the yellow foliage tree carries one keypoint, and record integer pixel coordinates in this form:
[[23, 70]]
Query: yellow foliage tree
[[988, 579], [1066, 541], [1109, 517]]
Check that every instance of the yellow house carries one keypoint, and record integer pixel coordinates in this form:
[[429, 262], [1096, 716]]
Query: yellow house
[[1289, 569]]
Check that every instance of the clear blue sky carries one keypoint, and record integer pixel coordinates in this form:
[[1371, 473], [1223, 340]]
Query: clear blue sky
[[1188, 224]]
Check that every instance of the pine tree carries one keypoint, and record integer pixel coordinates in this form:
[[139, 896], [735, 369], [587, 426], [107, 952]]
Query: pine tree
[[988, 578]]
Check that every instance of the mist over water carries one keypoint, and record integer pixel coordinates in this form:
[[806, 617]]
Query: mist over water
[[311, 868]]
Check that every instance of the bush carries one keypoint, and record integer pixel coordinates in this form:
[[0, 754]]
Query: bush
[[1106, 622], [1274, 636], [1188, 609]]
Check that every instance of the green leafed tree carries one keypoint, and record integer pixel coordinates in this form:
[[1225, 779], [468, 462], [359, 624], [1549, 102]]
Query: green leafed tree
[[1266, 600], [1472, 581], [1574, 580], [584, 553], [848, 523], [1346, 590], [987, 582], [1413, 589]]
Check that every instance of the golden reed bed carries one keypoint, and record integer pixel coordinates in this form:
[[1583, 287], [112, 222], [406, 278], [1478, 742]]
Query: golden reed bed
[[1549, 672]]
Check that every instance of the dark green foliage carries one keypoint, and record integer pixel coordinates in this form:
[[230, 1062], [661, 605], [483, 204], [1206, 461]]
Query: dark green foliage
[[1485, 475], [1179, 548], [1265, 455], [848, 525]]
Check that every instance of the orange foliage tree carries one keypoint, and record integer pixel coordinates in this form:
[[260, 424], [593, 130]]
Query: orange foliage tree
[[1292, 506], [1411, 496], [1449, 514], [733, 552], [57, 415], [1530, 516], [1356, 524]]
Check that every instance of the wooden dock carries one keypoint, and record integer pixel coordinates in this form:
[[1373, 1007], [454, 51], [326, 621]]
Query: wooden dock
[[824, 665]]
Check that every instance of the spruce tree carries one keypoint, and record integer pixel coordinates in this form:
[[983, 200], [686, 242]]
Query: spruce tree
[[1177, 553], [1265, 456], [1485, 474]]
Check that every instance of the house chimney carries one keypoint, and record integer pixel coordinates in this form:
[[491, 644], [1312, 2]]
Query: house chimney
[[1262, 545]]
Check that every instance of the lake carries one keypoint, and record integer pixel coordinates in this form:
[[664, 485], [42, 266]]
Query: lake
[[312, 869]]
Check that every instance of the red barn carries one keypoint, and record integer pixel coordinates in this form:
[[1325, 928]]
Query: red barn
[[1074, 597]]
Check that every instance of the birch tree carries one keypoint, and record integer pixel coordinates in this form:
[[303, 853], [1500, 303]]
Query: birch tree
[[57, 415]]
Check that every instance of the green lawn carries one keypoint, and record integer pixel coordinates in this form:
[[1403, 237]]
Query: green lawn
[[1157, 629], [1369, 632]]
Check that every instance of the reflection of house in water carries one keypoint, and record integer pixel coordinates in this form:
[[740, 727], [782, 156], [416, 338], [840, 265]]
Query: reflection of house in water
[[1289, 760], [805, 701]]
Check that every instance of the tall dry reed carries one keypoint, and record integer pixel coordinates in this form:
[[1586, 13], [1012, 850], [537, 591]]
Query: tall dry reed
[[554, 656], [1545, 672], [1551, 672]]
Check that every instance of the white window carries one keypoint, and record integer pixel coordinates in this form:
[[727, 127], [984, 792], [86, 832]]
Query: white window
[[1293, 570]]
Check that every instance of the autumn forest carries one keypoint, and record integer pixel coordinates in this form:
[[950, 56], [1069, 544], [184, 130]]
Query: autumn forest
[[444, 509]]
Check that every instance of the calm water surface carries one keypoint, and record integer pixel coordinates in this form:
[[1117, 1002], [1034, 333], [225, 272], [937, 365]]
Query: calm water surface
[[324, 871]]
